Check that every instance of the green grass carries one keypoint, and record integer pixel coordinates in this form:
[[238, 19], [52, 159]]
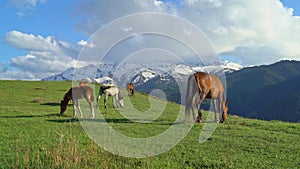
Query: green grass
[[33, 135]]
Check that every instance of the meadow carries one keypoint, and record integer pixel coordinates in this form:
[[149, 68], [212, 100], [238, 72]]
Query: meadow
[[34, 135]]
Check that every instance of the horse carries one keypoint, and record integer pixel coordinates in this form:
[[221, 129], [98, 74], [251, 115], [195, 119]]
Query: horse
[[130, 89], [208, 86], [74, 94], [111, 90]]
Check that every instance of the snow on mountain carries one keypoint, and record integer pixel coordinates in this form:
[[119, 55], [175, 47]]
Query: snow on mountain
[[89, 71], [230, 66], [144, 76], [138, 74]]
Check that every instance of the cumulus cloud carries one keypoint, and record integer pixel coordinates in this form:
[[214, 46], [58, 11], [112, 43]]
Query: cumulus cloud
[[255, 32], [45, 55], [32, 42]]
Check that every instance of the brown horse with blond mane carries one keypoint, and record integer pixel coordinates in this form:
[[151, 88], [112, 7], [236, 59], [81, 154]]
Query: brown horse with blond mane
[[208, 86], [75, 93]]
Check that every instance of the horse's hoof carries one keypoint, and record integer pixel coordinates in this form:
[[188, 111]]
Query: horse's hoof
[[199, 119]]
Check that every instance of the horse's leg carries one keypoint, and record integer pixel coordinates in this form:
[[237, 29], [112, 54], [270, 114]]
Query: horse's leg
[[201, 98], [132, 92], [221, 110], [78, 105], [98, 98], [199, 118], [105, 100], [215, 109], [74, 108], [113, 99], [92, 109]]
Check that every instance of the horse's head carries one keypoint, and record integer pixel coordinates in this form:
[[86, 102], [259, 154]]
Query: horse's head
[[225, 110], [63, 106]]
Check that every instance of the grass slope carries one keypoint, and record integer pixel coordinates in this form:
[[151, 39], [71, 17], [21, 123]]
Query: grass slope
[[33, 135]]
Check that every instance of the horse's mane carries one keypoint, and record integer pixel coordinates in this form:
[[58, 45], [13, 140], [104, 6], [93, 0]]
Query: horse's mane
[[68, 95]]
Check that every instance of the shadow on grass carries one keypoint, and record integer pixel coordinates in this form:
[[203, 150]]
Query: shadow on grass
[[50, 104], [63, 120], [92, 120], [31, 116]]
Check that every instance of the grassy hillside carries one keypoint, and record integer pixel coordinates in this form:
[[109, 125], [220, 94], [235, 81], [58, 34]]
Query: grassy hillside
[[268, 92], [33, 135]]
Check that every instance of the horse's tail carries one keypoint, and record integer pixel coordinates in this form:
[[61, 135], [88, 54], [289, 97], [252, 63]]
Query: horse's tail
[[189, 94]]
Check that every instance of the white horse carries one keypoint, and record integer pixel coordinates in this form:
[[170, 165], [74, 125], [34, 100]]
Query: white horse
[[111, 90]]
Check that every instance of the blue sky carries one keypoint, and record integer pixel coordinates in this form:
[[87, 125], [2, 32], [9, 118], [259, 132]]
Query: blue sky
[[293, 4], [250, 33]]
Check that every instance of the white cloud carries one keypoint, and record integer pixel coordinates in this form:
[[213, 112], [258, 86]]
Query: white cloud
[[31, 42], [82, 43], [255, 32], [45, 55]]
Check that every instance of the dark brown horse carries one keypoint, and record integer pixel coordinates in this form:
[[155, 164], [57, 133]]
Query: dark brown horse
[[130, 88], [208, 86], [76, 93]]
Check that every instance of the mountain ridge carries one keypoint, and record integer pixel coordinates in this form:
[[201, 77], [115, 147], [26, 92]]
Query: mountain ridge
[[268, 92], [138, 74]]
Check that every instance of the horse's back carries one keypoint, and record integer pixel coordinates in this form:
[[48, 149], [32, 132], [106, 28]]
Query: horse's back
[[82, 91], [210, 83], [110, 90], [216, 82]]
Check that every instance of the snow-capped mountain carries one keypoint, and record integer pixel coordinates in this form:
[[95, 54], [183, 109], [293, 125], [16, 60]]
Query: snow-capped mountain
[[87, 72], [137, 73]]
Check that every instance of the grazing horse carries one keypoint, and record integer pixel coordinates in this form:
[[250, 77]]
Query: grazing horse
[[74, 94], [208, 86], [111, 90], [130, 89]]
